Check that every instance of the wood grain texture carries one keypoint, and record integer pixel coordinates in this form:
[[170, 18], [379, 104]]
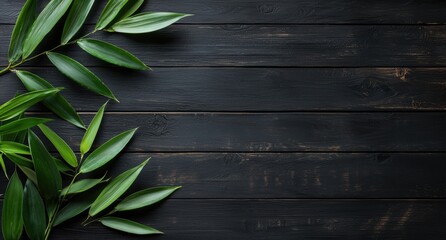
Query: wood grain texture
[[283, 11], [277, 46], [265, 132], [281, 220], [288, 175], [256, 89]]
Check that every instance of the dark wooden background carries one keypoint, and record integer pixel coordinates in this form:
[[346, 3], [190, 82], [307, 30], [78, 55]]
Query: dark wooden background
[[281, 119]]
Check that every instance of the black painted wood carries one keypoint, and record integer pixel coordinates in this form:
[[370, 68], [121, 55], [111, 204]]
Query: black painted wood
[[284, 11], [257, 89], [289, 175], [265, 132], [282, 220], [278, 46]]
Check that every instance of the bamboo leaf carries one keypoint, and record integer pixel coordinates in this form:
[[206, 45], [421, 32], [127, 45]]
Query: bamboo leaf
[[129, 9], [62, 166], [22, 124], [145, 198], [76, 18], [147, 22], [21, 103], [76, 206], [111, 54], [56, 103], [11, 136], [80, 74], [115, 189], [12, 221], [62, 147], [107, 151], [30, 174], [90, 134], [2, 163], [82, 186], [34, 217], [20, 160], [128, 226], [13, 147], [48, 177], [22, 26], [109, 13], [46, 20]]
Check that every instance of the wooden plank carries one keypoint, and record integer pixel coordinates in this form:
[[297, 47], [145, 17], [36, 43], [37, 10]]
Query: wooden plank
[[265, 132], [278, 46], [288, 175], [256, 89], [281, 220], [284, 11]]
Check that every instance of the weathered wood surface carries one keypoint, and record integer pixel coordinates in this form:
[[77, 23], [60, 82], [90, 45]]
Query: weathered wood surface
[[257, 89], [278, 46], [289, 175], [282, 220], [278, 132], [284, 11]]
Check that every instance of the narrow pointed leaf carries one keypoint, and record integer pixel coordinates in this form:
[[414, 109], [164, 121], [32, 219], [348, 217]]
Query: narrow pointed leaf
[[111, 54], [128, 226], [82, 186], [129, 9], [12, 221], [115, 189], [62, 166], [22, 26], [147, 22], [76, 18], [46, 20], [48, 177], [2, 163], [13, 147], [109, 13], [80, 74], [21, 103], [34, 217], [145, 198], [90, 134], [76, 206], [107, 151], [10, 136], [56, 103], [20, 160], [22, 124], [62, 147], [29, 173]]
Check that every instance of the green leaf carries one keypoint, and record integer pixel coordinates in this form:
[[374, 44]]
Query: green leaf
[[62, 147], [109, 13], [80, 74], [57, 104], [34, 217], [115, 189], [12, 221], [22, 26], [46, 20], [11, 136], [76, 206], [2, 163], [90, 134], [145, 198], [76, 18], [30, 174], [129, 9], [128, 226], [107, 151], [21, 103], [147, 22], [13, 147], [20, 160], [22, 124], [48, 176], [111, 54], [62, 166], [82, 186]]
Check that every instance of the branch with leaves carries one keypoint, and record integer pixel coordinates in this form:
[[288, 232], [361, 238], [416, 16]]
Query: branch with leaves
[[60, 187]]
